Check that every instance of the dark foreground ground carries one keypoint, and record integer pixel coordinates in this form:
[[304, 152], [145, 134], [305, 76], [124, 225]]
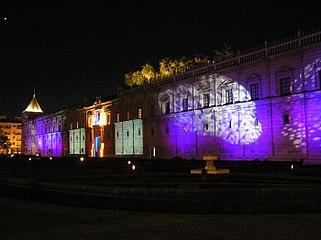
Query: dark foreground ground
[[165, 185], [26, 220], [160, 199]]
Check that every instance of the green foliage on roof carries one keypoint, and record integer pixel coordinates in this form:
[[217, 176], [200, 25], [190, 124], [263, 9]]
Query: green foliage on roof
[[167, 67]]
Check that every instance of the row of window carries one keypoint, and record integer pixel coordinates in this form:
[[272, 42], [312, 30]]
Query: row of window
[[285, 89], [286, 120], [139, 114], [11, 126], [205, 103], [128, 134]]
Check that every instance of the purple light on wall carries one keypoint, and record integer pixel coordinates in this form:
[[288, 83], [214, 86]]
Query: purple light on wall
[[207, 130], [47, 143]]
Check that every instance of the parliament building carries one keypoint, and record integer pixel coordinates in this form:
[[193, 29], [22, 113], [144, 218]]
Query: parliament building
[[263, 103]]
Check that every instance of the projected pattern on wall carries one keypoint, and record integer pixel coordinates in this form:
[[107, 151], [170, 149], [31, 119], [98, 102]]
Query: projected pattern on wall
[[299, 111], [30, 141], [234, 123]]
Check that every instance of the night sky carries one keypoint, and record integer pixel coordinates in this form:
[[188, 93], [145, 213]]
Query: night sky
[[71, 49]]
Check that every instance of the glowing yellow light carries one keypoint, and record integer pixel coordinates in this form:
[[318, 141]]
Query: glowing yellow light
[[92, 150]]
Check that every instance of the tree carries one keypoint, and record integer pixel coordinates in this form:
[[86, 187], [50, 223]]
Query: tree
[[165, 68], [129, 79], [4, 143], [137, 78], [200, 60], [180, 65], [223, 54], [148, 72], [185, 64]]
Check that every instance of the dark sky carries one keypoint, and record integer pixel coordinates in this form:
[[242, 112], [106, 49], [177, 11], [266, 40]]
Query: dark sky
[[72, 49]]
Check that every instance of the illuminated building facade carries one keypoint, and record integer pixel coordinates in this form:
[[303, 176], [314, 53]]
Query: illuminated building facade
[[259, 104], [13, 130], [58, 134], [79, 130]]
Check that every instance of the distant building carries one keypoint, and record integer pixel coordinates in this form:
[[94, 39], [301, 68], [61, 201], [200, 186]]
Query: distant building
[[264, 103], [13, 130]]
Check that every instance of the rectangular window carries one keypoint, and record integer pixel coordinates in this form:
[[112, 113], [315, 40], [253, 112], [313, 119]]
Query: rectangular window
[[117, 117], [229, 96], [108, 118], [128, 115], [286, 119], [152, 109], [97, 117], [167, 108], [185, 104], [205, 126], [254, 90], [139, 113], [206, 100], [285, 86], [256, 121]]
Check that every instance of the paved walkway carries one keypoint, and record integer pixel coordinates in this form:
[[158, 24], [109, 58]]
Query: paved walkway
[[29, 220]]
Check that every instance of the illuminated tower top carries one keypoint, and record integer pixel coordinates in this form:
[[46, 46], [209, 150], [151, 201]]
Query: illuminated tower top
[[33, 106]]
